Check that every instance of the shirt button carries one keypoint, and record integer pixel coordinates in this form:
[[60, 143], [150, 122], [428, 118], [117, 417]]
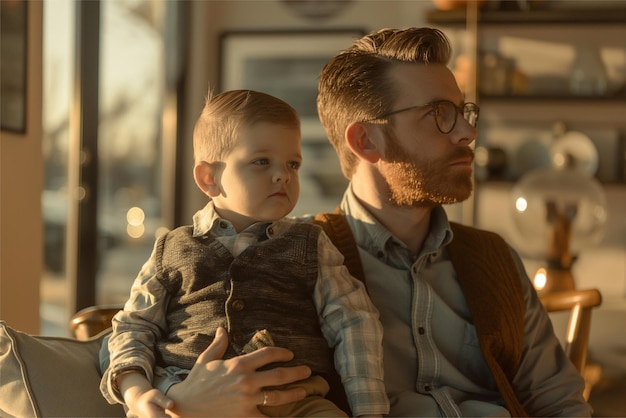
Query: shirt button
[[270, 231], [238, 305], [223, 225], [421, 330]]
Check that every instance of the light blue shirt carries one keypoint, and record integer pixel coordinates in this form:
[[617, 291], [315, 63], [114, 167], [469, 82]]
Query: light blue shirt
[[433, 363]]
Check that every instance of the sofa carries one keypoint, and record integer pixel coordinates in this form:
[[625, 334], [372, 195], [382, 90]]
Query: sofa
[[59, 377], [51, 376]]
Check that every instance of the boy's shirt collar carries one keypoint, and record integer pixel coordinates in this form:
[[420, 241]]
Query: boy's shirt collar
[[207, 221]]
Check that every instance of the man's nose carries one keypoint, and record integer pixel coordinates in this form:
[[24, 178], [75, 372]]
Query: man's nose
[[464, 132]]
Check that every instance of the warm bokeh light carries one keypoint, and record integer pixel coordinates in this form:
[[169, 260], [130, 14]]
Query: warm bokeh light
[[540, 279], [135, 231], [135, 216], [160, 231], [521, 204]]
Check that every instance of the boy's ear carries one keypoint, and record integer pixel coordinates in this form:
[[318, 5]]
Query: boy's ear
[[360, 139], [205, 175]]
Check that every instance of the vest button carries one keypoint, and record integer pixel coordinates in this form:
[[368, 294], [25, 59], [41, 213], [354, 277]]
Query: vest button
[[238, 305], [223, 225], [270, 231], [427, 388], [421, 330]]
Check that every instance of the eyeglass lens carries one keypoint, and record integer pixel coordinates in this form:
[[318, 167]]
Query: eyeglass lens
[[446, 114]]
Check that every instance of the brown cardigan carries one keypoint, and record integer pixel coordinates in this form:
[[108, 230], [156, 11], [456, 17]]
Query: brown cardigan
[[490, 280]]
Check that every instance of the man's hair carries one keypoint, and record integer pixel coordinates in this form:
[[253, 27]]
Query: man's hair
[[355, 84], [217, 128]]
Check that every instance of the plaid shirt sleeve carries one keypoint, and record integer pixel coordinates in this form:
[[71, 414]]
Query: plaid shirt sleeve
[[350, 324], [135, 329]]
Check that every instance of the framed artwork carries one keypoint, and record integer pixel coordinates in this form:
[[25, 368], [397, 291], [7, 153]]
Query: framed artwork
[[13, 27], [285, 64]]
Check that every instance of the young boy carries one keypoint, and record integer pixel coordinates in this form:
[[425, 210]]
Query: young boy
[[267, 279]]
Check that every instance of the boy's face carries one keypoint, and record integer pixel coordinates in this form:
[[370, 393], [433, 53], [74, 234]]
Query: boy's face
[[258, 180]]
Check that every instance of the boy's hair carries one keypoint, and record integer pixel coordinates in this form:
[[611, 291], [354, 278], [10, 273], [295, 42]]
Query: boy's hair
[[223, 115], [355, 84]]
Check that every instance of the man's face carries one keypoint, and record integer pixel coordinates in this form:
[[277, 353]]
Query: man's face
[[421, 165]]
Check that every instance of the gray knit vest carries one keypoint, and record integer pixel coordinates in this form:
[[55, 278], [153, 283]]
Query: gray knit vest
[[269, 286]]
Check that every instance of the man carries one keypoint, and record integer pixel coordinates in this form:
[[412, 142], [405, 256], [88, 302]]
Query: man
[[465, 333]]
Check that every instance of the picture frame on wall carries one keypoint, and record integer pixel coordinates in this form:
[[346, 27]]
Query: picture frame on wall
[[13, 48], [285, 64]]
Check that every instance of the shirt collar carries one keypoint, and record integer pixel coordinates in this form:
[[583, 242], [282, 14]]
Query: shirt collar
[[377, 240], [207, 221]]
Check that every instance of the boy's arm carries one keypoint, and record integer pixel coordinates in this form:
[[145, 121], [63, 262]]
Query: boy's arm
[[134, 331], [139, 396], [349, 321]]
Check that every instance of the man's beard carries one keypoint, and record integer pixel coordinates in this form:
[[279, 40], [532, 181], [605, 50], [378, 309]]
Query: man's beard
[[416, 182]]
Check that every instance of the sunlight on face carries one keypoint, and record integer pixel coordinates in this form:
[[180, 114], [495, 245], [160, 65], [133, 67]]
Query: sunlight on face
[[259, 180], [415, 181]]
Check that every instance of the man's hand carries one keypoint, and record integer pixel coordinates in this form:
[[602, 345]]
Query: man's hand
[[234, 387]]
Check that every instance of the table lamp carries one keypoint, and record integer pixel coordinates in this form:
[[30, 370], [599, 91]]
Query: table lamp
[[560, 211]]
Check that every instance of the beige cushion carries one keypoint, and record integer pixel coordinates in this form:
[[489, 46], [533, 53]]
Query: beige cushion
[[50, 377]]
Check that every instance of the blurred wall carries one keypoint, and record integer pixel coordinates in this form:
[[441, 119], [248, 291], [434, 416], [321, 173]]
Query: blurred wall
[[21, 183]]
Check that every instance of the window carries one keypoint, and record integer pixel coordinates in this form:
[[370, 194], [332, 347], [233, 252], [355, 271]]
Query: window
[[125, 194]]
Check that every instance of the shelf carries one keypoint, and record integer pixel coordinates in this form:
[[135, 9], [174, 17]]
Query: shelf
[[554, 98], [537, 16]]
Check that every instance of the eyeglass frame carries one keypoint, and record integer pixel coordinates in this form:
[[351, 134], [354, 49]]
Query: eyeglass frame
[[459, 110]]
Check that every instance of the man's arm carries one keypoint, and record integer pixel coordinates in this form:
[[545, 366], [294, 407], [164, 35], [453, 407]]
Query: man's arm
[[234, 387], [547, 383]]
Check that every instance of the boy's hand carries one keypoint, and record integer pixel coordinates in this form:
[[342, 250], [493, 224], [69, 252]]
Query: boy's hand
[[142, 400], [150, 404]]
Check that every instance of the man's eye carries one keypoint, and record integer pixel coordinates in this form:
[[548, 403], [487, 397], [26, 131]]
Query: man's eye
[[294, 165], [261, 161]]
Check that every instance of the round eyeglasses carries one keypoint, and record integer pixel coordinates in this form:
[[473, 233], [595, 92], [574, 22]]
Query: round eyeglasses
[[445, 113]]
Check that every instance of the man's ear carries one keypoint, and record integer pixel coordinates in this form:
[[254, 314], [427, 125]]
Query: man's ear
[[205, 175], [360, 139]]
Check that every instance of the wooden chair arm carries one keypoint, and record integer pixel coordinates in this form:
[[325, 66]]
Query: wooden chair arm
[[579, 302], [93, 320], [567, 299]]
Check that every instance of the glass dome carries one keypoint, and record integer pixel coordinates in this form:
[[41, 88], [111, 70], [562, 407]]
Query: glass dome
[[560, 211]]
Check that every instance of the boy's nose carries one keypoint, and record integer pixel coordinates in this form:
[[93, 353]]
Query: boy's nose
[[280, 175]]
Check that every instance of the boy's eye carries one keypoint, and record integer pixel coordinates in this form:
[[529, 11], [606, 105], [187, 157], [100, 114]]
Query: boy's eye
[[294, 165], [261, 161]]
